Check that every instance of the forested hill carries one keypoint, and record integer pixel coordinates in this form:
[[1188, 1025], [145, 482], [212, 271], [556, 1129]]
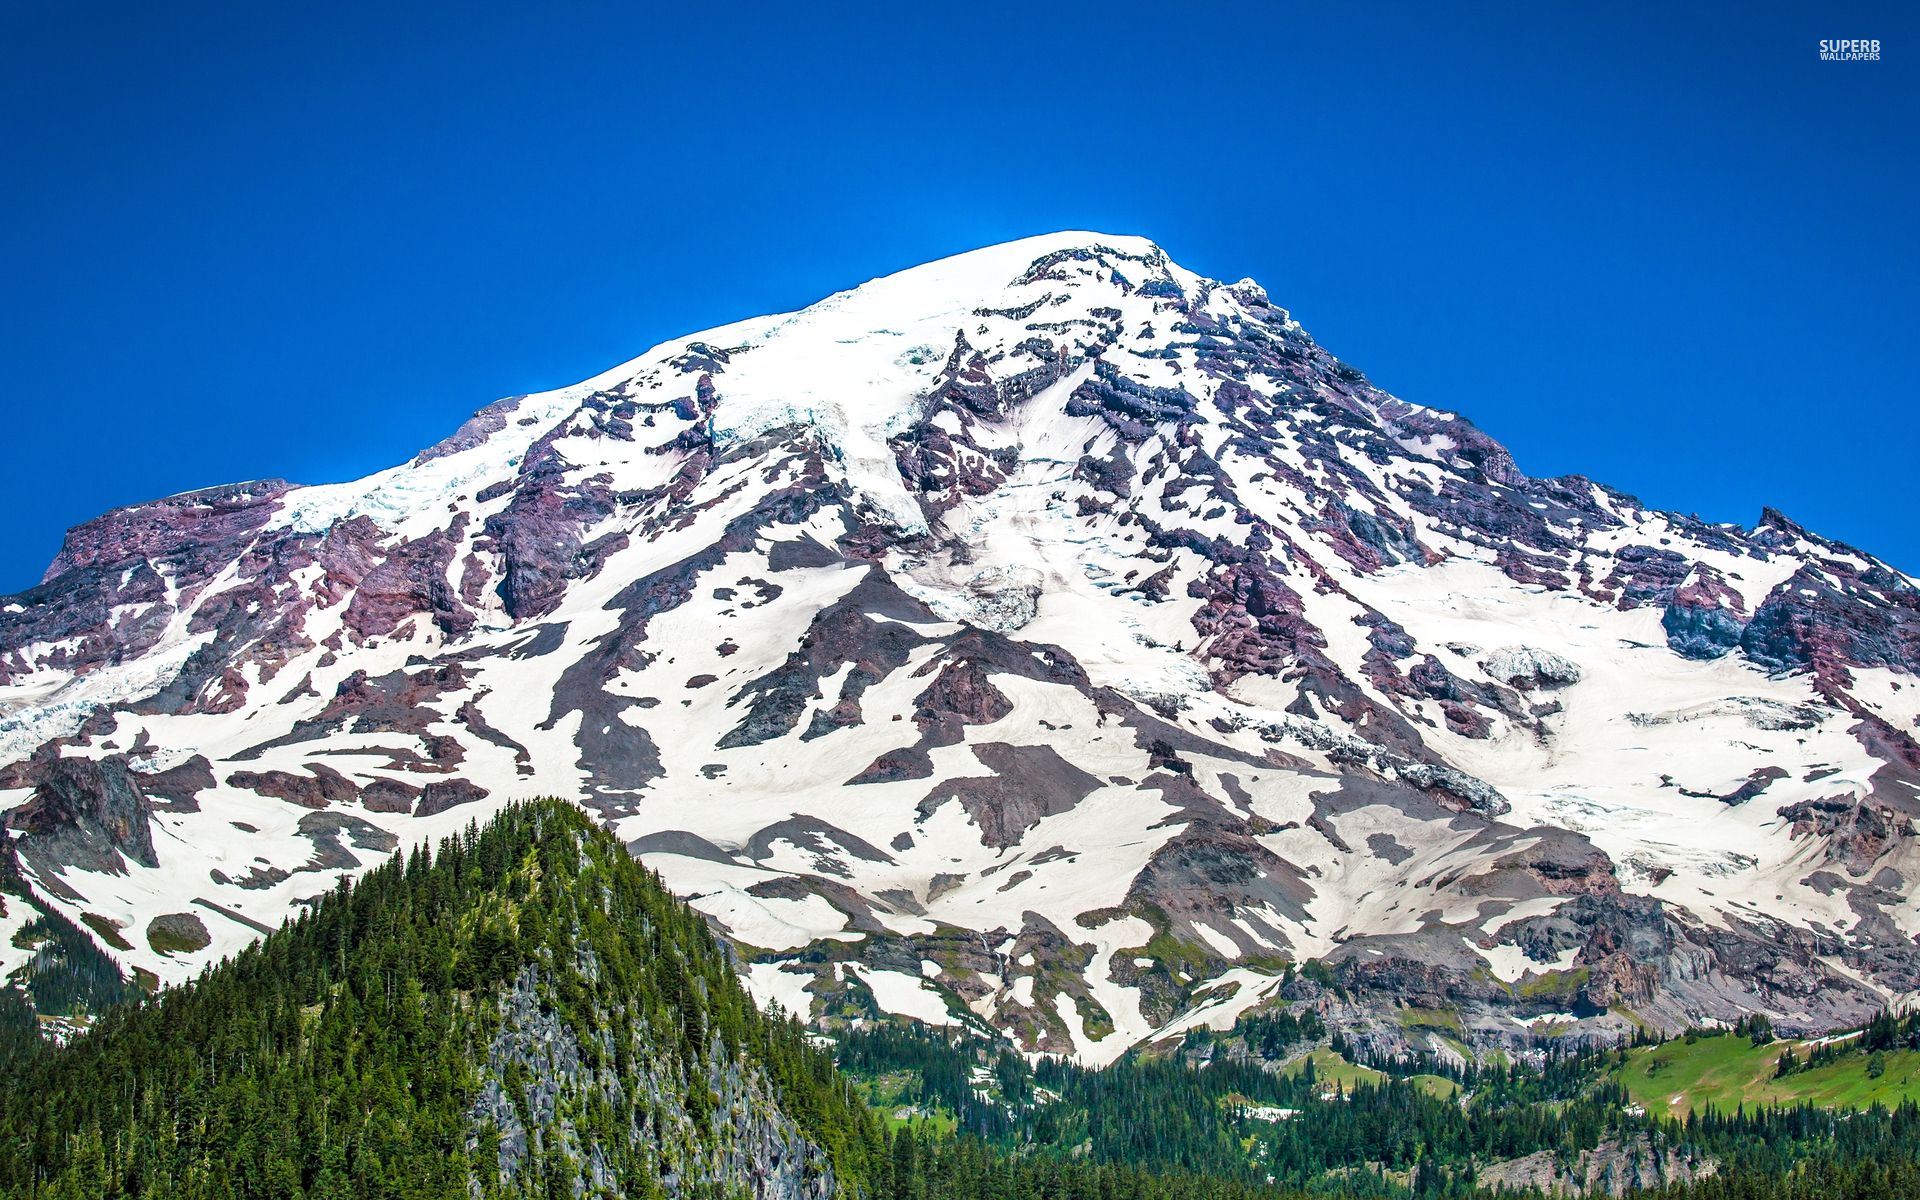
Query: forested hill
[[525, 1012], [525, 1008]]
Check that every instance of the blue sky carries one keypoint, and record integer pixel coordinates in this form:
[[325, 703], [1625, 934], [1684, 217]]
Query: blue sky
[[1668, 249]]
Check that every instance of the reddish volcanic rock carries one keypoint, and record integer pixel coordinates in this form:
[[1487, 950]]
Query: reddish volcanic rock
[[176, 788], [411, 580], [322, 787], [962, 691], [442, 795], [1706, 616], [209, 519], [1251, 622], [1857, 833], [388, 795], [540, 534], [113, 563], [1829, 619]]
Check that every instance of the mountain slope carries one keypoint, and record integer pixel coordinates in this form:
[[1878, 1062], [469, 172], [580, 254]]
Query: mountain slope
[[525, 1008], [1048, 638]]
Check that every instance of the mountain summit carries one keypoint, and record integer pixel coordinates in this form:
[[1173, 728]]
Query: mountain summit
[[1046, 638]]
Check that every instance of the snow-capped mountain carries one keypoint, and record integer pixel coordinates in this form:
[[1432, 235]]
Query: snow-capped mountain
[[1047, 637]]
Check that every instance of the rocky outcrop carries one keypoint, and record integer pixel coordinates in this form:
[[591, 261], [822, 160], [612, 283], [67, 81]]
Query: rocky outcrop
[[173, 933], [319, 787], [412, 579], [1856, 833], [178, 787], [118, 580], [1832, 616], [1706, 618], [441, 795], [1612, 1168], [542, 1070], [84, 814], [1029, 784]]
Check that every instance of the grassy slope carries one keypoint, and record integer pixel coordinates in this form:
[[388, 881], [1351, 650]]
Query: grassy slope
[[1725, 1071], [1330, 1067], [887, 1094]]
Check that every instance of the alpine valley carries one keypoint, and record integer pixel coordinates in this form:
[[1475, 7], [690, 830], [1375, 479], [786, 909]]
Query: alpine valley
[[1046, 641]]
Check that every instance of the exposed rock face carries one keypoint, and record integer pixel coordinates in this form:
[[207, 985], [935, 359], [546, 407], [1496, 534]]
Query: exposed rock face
[[412, 579], [439, 797], [1029, 784], [538, 1075], [1856, 834], [1048, 634], [178, 786], [1830, 620], [320, 787], [152, 556], [86, 815], [1706, 617], [1612, 1168]]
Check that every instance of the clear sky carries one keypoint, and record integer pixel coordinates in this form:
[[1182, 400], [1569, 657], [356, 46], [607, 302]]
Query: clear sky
[[1661, 245]]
